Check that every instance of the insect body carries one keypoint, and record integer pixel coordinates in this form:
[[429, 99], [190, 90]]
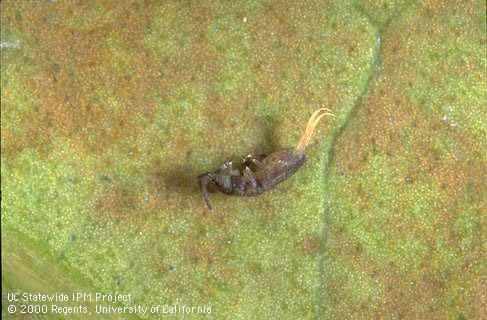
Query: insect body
[[260, 172]]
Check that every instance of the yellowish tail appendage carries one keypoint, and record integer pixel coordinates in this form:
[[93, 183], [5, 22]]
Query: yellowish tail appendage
[[310, 128]]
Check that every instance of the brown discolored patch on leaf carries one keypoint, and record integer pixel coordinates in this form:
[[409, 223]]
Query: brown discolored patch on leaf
[[118, 203], [201, 252], [400, 296], [402, 292], [229, 276], [311, 244], [480, 298], [75, 76], [391, 123]]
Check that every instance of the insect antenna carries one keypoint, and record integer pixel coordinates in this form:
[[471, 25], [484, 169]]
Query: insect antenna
[[312, 122]]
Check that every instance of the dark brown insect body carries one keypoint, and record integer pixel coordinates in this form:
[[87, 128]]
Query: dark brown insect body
[[260, 172]]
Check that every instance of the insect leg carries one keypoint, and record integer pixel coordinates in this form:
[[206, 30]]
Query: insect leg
[[249, 176], [255, 159], [204, 180], [227, 169]]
